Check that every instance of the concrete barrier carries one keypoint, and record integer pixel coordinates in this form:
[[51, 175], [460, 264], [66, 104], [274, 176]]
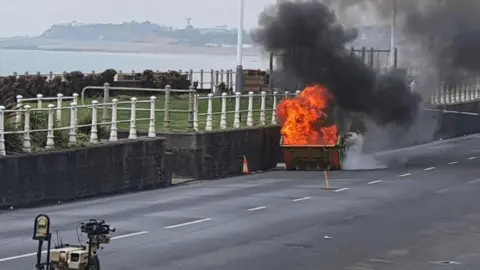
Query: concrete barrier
[[215, 154], [123, 166]]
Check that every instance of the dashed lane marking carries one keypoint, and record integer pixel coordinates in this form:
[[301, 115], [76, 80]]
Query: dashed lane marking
[[301, 199], [257, 208], [340, 190], [429, 168], [374, 182], [128, 235], [404, 175], [187, 223], [44, 252], [453, 162], [472, 158]]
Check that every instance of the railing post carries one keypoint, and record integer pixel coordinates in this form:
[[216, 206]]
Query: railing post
[[201, 79], [2, 131], [223, 116], [50, 126], [442, 93], [18, 114], [190, 105], [133, 127], [262, 107], [227, 83], [72, 138], [151, 125], [477, 88], [190, 75], [106, 99], [39, 101], [195, 112], [166, 117], [250, 109], [297, 92], [286, 94], [208, 125], [75, 98], [217, 82], [236, 120], [113, 127], [27, 146], [59, 107], [212, 81], [94, 129], [274, 108]]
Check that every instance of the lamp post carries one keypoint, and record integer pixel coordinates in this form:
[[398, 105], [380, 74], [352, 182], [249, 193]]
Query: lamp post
[[392, 34], [239, 70]]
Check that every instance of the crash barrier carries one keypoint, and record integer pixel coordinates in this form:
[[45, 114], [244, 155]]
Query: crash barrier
[[164, 113], [214, 154], [63, 175]]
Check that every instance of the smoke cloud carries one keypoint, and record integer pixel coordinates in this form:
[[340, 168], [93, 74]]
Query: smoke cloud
[[313, 44], [447, 31]]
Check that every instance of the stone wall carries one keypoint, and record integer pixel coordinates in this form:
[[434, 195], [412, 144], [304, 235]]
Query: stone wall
[[123, 166], [215, 154]]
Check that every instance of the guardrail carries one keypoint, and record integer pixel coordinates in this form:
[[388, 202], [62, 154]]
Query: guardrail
[[451, 94], [205, 113]]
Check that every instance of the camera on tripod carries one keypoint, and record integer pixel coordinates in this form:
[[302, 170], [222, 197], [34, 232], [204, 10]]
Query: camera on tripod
[[95, 227]]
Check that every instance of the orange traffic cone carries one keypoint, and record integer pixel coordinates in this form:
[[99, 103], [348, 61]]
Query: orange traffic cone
[[245, 165]]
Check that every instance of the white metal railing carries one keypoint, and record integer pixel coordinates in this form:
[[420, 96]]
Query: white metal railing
[[466, 91], [73, 125], [40, 99], [262, 111], [263, 114]]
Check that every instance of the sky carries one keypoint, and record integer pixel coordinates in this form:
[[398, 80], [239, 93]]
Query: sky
[[32, 17]]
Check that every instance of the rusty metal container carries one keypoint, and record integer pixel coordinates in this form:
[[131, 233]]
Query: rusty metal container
[[313, 157]]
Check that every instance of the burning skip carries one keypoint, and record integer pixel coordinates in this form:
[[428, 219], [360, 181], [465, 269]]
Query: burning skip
[[309, 139], [304, 118]]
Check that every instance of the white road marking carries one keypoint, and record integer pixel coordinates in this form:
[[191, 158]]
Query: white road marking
[[19, 256], [301, 199], [405, 174], [453, 162], [374, 182], [342, 189], [257, 208], [429, 168], [472, 158], [44, 252], [128, 235], [187, 223]]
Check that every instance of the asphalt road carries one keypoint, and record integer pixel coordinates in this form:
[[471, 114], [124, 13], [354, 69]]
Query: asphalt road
[[415, 216]]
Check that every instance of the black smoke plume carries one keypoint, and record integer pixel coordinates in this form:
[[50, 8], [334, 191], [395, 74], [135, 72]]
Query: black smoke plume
[[448, 31], [313, 45]]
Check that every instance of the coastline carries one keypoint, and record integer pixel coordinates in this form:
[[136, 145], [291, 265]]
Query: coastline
[[126, 47]]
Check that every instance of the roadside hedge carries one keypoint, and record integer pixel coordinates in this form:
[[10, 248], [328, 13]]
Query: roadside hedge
[[29, 86]]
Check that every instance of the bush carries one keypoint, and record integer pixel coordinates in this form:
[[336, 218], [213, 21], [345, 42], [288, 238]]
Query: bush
[[29, 86], [38, 139]]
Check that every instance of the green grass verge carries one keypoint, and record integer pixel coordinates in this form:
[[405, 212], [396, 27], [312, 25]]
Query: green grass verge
[[178, 117]]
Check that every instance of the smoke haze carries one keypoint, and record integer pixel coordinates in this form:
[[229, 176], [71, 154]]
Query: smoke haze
[[313, 45], [447, 32]]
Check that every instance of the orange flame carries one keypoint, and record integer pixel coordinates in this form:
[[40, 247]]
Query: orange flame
[[303, 118]]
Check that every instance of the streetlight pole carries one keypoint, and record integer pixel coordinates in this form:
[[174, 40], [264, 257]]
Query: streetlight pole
[[239, 70], [392, 34]]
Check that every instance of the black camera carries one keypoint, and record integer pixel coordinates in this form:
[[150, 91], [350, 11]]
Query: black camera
[[95, 227]]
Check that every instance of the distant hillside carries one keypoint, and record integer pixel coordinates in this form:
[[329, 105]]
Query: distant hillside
[[142, 32]]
